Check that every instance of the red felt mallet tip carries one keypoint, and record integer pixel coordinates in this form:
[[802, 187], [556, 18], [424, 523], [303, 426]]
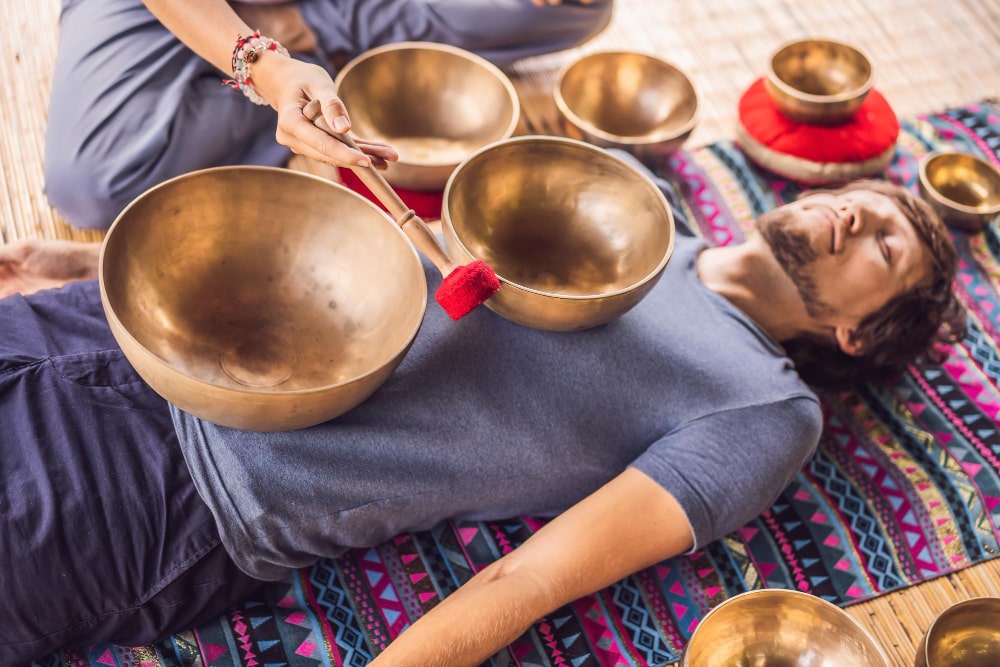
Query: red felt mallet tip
[[466, 287]]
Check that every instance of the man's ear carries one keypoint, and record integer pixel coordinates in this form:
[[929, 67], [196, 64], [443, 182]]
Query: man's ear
[[846, 341]]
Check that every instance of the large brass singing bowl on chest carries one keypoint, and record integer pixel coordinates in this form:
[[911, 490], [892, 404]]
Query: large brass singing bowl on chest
[[780, 628], [259, 298], [576, 235], [435, 104]]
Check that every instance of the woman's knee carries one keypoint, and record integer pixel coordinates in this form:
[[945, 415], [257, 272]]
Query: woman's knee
[[79, 189]]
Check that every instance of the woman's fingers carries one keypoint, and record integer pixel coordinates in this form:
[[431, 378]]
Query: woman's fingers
[[304, 138]]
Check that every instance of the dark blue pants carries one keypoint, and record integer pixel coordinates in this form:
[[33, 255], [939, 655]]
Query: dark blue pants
[[102, 534]]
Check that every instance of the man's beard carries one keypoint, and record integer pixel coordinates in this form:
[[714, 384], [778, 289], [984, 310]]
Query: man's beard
[[794, 252]]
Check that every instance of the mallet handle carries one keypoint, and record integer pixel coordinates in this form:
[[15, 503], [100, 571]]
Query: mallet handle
[[415, 228]]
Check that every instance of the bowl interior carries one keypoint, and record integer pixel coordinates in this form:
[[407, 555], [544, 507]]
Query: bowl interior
[[779, 628], [433, 104], [262, 280], [965, 180], [967, 633], [559, 217], [822, 68], [628, 95]]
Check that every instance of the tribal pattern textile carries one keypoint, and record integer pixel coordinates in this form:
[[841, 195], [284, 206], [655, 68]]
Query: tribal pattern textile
[[905, 487]]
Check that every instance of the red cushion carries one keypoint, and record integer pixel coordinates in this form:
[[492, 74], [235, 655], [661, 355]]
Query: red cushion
[[425, 204], [863, 146]]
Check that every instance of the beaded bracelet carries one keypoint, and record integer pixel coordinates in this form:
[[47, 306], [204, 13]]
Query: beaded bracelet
[[245, 53]]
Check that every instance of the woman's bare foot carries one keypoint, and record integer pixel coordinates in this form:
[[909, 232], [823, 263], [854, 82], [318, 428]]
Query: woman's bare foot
[[281, 21], [33, 265]]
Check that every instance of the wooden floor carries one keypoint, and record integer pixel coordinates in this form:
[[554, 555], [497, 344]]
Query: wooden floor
[[928, 54]]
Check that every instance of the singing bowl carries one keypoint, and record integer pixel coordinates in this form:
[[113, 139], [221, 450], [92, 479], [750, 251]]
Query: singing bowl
[[576, 235], [966, 633], [627, 100], [962, 188], [260, 298], [435, 104], [780, 628], [819, 81]]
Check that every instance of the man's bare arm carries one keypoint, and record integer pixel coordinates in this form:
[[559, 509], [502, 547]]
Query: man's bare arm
[[627, 525]]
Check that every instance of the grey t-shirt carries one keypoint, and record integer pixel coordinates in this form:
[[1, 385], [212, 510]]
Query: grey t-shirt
[[487, 419]]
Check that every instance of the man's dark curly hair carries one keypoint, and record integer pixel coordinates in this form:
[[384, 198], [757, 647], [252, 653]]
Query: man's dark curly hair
[[907, 327]]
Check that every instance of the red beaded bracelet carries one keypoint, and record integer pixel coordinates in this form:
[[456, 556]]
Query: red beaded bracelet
[[245, 53]]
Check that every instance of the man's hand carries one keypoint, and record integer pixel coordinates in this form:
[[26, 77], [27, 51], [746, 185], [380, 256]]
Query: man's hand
[[33, 265]]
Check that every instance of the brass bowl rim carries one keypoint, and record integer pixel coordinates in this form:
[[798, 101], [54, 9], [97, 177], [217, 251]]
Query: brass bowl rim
[[924, 643], [446, 220], [644, 140], [160, 363], [504, 80], [936, 194], [782, 592], [863, 89]]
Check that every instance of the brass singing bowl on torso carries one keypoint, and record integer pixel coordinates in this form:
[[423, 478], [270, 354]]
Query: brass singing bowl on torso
[[435, 104], [576, 235], [780, 628], [260, 298]]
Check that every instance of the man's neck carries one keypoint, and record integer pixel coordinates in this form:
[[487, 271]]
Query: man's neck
[[749, 277]]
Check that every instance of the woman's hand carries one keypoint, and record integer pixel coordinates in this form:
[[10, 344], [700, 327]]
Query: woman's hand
[[289, 85]]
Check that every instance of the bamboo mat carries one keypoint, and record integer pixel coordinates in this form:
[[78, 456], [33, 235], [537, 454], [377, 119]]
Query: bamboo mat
[[928, 55]]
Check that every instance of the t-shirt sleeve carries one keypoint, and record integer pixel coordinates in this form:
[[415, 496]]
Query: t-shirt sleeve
[[726, 468]]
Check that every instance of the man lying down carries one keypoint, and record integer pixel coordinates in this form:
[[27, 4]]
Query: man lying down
[[125, 519]]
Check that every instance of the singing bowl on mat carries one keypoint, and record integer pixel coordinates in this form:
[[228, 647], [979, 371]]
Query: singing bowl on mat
[[435, 104], [576, 236], [260, 298], [819, 81], [780, 628], [966, 633], [627, 100], [962, 188]]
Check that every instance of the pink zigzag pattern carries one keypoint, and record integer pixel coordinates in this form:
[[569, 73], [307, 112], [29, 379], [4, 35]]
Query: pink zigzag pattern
[[721, 234], [890, 488], [658, 603], [240, 629], [789, 553], [957, 422], [586, 610]]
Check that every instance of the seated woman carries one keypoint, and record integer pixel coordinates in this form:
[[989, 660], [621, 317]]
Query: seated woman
[[137, 95]]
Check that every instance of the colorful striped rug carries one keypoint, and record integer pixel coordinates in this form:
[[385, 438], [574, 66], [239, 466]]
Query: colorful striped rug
[[905, 487]]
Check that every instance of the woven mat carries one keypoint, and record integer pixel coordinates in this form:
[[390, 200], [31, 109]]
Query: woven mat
[[905, 487], [928, 54]]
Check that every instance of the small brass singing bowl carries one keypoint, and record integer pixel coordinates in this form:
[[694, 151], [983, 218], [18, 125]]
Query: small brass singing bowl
[[627, 100], [435, 104], [966, 633], [819, 81], [576, 235], [962, 188], [260, 298], [780, 628]]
